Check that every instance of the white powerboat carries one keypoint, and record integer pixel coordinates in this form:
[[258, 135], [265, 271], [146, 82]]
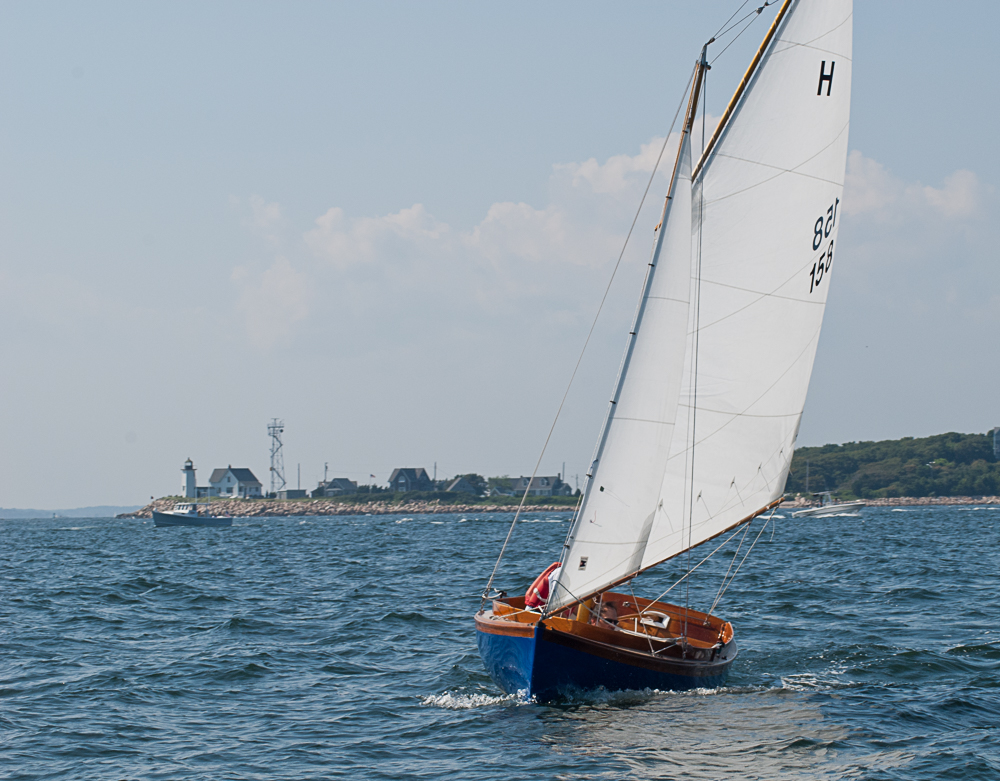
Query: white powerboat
[[828, 507]]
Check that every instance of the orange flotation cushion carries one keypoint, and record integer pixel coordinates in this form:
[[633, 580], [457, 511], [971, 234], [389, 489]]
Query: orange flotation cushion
[[538, 592]]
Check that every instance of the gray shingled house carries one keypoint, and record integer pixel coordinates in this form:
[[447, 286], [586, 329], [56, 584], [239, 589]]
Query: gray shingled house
[[411, 479], [337, 486], [542, 486]]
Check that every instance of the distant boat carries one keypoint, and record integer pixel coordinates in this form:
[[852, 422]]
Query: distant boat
[[828, 507], [717, 365], [186, 514]]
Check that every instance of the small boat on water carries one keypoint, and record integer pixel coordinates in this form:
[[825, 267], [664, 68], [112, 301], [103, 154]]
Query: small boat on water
[[186, 514], [700, 431], [828, 507]]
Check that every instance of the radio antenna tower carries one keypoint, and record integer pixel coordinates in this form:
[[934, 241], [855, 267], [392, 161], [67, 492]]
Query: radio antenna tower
[[275, 429]]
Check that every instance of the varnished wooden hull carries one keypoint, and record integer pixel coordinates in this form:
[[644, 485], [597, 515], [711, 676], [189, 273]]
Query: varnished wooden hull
[[549, 659]]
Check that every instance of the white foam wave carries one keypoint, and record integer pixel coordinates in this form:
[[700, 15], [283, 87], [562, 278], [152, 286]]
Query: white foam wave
[[801, 682], [462, 701]]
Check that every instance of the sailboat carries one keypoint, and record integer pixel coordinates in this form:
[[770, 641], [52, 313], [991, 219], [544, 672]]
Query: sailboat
[[700, 431]]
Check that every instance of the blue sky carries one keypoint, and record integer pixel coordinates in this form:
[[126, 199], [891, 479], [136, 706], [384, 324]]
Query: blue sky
[[390, 224]]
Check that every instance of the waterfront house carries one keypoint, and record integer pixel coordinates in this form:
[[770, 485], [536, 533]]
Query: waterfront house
[[410, 479], [460, 485], [337, 486], [236, 482], [542, 486]]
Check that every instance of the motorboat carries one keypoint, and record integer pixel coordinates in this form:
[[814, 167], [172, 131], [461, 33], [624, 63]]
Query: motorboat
[[828, 507], [186, 514]]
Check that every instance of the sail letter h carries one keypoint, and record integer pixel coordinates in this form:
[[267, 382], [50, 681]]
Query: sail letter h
[[827, 77]]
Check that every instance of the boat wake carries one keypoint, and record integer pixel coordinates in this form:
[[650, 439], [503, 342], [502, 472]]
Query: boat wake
[[464, 701], [813, 682]]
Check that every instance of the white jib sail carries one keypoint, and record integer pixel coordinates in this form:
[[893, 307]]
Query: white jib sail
[[633, 453], [766, 208]]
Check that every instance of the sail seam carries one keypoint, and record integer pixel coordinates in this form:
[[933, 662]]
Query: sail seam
[[755, 401], [666, 298], [792, 45], [736, 414], [766, 294], [809, 44], [780, 170], [777, 168], [759, 298], [646, 420]]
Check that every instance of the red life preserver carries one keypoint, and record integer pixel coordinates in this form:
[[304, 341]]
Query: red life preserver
[[538, 592]]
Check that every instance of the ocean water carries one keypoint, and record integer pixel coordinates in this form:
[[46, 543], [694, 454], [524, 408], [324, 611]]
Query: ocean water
[[344, 648]]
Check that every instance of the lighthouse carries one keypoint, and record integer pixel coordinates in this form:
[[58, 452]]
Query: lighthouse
[[190, 492]]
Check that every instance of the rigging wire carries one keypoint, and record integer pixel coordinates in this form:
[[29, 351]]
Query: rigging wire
[[752, 16], [729, 569], [684, 577], [586, 343], [723, 30], [745, 555]]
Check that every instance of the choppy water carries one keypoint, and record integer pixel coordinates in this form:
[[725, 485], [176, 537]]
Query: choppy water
[[344, 648]]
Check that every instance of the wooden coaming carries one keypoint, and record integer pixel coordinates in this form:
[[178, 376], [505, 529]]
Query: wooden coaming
[[698, 630]]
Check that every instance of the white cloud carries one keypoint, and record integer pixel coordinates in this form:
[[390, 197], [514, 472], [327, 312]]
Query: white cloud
[[961, 197], [616, 176], [873, 191], [582, 226], [272, 302], [265, 215], [345, 242]]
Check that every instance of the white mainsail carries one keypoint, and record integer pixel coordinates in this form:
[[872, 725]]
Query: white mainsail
[[765, 209]]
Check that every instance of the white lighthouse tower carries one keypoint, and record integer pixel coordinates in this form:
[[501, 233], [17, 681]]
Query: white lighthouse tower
[[190, 492]]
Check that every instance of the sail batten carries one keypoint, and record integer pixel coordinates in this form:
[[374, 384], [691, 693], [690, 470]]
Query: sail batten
[[711, 393]]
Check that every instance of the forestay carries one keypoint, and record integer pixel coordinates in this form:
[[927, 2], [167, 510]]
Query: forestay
[[766, 206]]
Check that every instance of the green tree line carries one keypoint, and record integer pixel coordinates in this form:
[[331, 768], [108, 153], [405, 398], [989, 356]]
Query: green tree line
[[943, 465]]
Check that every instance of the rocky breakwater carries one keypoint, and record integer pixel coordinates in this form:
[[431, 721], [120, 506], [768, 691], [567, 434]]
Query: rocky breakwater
[[802, 500], [915, 501], [277, 508]]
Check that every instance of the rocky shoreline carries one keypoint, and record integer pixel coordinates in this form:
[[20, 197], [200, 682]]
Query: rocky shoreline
[[274, 508], [907, 501], [277, 508]]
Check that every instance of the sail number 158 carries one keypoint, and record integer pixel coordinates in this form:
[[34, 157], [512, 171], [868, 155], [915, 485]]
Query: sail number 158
[[821, 230]]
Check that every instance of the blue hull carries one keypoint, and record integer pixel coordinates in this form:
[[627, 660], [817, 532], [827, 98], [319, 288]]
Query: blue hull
[[551, 664]]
